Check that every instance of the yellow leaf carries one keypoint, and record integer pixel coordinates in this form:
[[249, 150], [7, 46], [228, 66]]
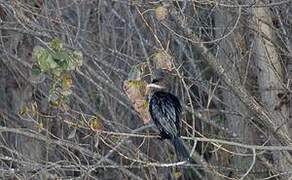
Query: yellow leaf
[[24, 110], [177, 174], [56, 44], [40, 126], [55, 103], [67, 81], [161, 13], [96, 124], [34, 108], [137, 84], [163, 60]]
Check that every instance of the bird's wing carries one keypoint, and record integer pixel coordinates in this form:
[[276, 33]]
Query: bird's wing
[[165, 111]]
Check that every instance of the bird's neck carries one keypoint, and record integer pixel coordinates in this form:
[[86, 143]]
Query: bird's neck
[[152, 91]]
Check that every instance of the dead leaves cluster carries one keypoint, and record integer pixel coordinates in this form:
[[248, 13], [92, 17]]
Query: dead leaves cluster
[[136, 92], [163, 60], [135, 86]]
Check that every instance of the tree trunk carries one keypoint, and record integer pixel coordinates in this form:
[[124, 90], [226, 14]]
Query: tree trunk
[[229, 54], [270, 78]]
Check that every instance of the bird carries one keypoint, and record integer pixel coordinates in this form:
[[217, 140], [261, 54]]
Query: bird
[[165, 110]]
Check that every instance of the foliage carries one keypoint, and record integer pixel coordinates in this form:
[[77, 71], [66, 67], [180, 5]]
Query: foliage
[[135, 89], [59, 63], [163, 60], [232, 66], [161, 13]]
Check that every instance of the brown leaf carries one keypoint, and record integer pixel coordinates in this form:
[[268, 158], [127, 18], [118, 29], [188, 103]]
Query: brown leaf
[[163, 60], [136, 92], [161, 13]]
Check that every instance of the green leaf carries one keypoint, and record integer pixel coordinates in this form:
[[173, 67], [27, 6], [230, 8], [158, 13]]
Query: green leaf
[[57, 71], [57, 62], [44, 59], [46, 62], [56, 44], [35, 71], [62, 59], [66, 92], [53, 96], [78, 58]]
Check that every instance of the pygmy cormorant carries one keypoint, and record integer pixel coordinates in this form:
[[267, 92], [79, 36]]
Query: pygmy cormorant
[[165, 110]]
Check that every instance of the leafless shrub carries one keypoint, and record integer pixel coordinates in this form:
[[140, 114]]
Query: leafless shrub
[[232, 73]]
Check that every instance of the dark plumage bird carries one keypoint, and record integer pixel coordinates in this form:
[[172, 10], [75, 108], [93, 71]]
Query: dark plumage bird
[[165, 111]]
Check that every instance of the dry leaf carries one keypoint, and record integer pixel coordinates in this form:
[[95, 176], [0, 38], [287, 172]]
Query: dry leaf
[[163, 60], [138, 71], [136, 92], [72, 134], [177, 175], [67, 81], [96, 124], [161, 13]]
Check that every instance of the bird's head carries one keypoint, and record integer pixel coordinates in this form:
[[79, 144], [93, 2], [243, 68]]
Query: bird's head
[[156, 84], [159, 83]]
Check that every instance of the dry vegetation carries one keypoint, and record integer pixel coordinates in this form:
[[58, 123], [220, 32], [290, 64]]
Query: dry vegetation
[[231, 66]]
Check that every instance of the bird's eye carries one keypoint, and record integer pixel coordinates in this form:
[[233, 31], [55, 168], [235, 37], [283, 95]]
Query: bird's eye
[[155, 81]]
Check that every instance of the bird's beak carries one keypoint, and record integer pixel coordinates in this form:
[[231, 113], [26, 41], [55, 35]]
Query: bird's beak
[[154, 86]]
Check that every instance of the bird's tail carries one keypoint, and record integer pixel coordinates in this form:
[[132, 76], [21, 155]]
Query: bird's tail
[[180, 149], [183, 155]]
